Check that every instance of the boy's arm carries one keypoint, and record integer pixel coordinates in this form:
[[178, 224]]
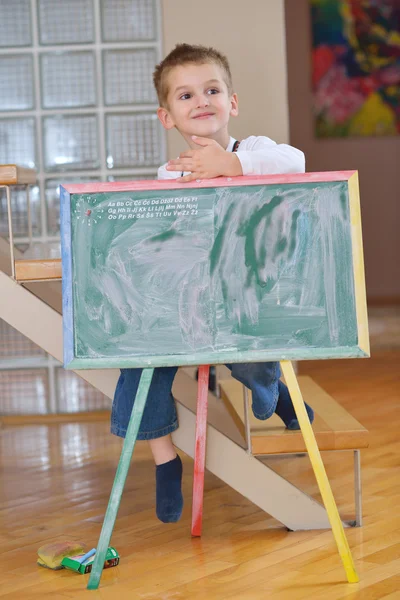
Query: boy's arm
[[255, 156], [208, 161], [263, 156]]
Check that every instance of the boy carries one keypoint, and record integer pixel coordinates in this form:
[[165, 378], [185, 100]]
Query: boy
[[194, 88]]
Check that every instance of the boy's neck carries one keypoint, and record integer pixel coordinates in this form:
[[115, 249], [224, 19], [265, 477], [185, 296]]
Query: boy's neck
[[223, 139]]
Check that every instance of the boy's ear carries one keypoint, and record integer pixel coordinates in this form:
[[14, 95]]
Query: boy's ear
[[234, 105], [165, 118]]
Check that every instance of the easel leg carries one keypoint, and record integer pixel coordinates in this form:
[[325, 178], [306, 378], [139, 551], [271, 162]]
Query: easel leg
[[319, 471], [120, 478], [200, 450]]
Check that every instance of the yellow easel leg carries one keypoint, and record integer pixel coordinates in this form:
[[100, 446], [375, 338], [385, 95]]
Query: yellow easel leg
[[319, 471]]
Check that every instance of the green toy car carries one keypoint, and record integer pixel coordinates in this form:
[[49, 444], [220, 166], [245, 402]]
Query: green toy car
[[75, 563]]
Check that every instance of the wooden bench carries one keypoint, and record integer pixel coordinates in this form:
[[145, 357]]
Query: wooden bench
[[15, 175], [334, 428], [26, 269], [38, 269]]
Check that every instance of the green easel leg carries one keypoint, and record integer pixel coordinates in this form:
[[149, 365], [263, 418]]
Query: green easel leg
[[120, 477]]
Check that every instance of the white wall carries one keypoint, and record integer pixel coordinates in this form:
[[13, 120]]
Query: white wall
[[252, 35]]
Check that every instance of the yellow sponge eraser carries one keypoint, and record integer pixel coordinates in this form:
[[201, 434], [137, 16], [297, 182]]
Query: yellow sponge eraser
[[51, 555]]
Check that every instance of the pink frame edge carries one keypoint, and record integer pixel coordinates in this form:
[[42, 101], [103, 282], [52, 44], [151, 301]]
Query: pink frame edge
[[168, 184]]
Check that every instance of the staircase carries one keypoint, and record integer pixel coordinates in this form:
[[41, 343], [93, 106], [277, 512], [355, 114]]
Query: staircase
[[31, 303]]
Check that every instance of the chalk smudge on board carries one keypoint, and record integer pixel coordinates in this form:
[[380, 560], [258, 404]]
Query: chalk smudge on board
[[244, 271]]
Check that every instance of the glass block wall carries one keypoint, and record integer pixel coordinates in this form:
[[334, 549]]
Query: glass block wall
[[77, 104]]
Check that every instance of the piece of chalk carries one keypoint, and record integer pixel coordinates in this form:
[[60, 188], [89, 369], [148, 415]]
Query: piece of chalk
[[87, 555]]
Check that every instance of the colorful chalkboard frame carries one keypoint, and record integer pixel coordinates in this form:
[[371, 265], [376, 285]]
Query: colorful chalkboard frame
[[360, 348]]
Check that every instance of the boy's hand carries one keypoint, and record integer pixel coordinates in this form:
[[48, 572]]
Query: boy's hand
[[208, 161]]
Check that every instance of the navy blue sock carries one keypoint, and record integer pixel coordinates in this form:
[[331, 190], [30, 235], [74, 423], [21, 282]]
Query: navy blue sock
[[285, 410], [169, 499]]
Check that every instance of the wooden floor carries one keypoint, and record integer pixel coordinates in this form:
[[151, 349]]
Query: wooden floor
[[56, 479]]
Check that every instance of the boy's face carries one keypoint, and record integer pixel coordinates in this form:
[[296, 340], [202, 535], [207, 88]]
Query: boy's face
[[198, 102]]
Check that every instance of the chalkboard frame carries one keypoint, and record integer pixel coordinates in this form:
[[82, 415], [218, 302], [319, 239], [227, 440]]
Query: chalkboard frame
[[351, 177]]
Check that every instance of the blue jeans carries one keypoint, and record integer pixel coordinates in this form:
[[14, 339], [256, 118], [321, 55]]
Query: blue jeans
[[160, 417]]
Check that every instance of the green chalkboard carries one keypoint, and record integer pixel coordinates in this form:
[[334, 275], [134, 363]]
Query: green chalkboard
[[202, 275]]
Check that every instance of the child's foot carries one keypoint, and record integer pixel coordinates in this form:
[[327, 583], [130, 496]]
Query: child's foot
[[169, 499], [285, 410]]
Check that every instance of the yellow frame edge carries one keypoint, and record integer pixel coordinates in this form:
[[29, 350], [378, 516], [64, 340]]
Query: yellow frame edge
[[358, 264]]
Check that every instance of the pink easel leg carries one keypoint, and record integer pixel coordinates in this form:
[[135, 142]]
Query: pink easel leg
[[200, 450]]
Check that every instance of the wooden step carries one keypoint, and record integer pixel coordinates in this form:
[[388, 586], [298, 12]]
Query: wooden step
[[16, 175], [334, 427], [30, 269]]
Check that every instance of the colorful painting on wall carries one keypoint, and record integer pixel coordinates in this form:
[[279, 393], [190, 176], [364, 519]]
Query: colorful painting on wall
[[356, 67]]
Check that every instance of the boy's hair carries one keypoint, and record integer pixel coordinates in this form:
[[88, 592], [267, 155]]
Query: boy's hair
[[184, 54]]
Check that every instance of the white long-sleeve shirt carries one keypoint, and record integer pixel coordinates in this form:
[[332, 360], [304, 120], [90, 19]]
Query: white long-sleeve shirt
[[258, 155]]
